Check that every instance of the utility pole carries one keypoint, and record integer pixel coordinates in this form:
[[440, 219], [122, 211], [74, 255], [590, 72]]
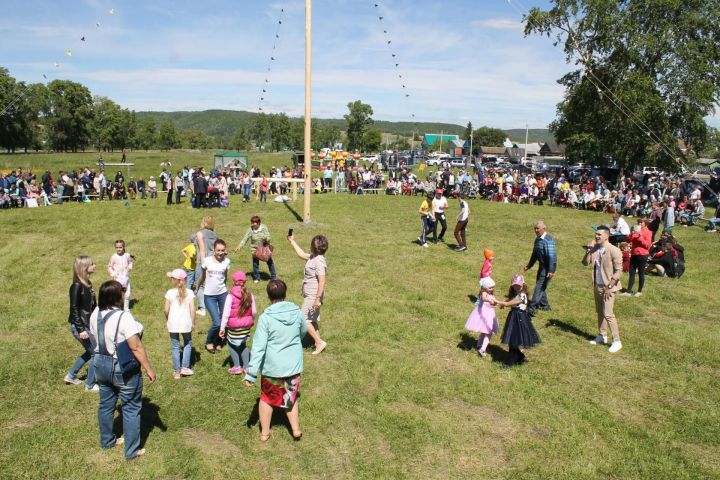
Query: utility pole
[[308, 117]]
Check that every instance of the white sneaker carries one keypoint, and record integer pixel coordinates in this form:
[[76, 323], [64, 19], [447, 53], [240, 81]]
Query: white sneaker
[[72, 381], [616, 345], [201, 312], [638, 294], [626, 294], [425, 245], [94, 388], [599, 340]]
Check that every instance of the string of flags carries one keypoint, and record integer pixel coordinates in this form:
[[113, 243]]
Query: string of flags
[[56, 64], [266, 83], [394, 57]]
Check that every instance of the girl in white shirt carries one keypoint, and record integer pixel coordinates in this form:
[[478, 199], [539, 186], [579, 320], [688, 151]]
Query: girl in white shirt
[[180, 314], [214, 274]]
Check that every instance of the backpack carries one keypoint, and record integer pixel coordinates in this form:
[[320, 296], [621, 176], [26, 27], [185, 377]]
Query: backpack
[[678, 267]]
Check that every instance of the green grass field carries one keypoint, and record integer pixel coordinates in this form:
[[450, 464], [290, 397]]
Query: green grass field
[[399, 393]]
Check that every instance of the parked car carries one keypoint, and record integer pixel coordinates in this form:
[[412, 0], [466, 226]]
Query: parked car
[[457, 161], [369, 158], [433, 161]]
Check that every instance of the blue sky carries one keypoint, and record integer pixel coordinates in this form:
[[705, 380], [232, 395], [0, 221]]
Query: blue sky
[[461, 60]]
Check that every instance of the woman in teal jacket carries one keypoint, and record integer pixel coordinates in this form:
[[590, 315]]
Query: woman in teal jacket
[[277, 355]]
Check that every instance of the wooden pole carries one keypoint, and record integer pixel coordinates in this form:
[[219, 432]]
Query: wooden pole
[[308, 117]]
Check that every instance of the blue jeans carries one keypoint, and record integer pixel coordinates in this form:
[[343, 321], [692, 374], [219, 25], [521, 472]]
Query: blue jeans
[[190, 278], [129, 391], [186, 351], [214, 304], [539, 298], [201, 288], [60, 191], [246, 192], [256, 268], [89, 346]]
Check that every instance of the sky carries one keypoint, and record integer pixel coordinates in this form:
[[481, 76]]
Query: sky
[[460, 60]]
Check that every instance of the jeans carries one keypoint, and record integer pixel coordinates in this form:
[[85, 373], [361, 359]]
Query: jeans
[[178, 191], [439, 218], [256, 268], [239, 354], [214, 305], [89, 345], [190, 280], [200, 288], [129, 390], [186, 352], [60, 191], [539, 298], [246, 192], [263, 196], [143, 195]]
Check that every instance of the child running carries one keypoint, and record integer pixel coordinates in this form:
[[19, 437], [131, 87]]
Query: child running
[[238, 318], [487, 268], [180, 313], [483, 319], [518, 331]]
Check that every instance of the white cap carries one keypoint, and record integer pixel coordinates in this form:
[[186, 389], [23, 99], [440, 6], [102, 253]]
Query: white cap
[[487, 283]]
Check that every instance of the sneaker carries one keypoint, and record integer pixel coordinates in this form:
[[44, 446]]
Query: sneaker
[[599, 340], [72, 381], [94, 388], [139, 453], [201, 312], [638, 294], [235, 370], [626, 294], [186, 372], [461, 248], [176, 375], [256, 281], [426, 245], [615, 346]]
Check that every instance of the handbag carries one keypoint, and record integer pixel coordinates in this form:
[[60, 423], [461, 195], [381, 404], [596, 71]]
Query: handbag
[[263, 252]]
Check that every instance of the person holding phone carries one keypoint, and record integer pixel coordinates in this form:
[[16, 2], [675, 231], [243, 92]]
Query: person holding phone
[[313, 286]]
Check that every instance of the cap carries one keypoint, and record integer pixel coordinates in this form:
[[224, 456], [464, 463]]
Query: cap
[[488, 253], [177, 274], [486, 283], [517, 279], [238, 275]]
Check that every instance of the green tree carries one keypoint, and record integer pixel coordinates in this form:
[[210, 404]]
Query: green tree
[[371, 140], [260, 130], [468, 131], [146, 136], [488, 137], [647, 74], [359, 119], [194, 140], [70, 112], [105, 123], [402, 143], [327, 137], [126, 132], [167, 137], [240, 140], [279, 129]]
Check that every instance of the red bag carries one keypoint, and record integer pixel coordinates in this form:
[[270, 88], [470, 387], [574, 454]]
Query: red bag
[[263, 252]]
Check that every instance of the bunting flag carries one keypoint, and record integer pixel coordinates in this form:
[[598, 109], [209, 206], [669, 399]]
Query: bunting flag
[[276, 41], [394, 56]]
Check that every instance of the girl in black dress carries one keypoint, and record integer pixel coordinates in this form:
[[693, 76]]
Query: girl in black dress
[[518, 331]]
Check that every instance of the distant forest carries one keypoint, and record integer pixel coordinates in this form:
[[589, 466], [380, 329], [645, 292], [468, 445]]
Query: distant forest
[[225, 123]]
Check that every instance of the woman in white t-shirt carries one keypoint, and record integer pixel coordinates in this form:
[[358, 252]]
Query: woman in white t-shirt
[[120, 326], [180, 313], [214, 275]]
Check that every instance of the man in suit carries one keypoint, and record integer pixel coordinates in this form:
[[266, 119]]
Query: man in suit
[[545, 254], [606, 260]]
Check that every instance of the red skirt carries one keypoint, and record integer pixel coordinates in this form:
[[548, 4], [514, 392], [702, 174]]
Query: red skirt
[[280, 392]]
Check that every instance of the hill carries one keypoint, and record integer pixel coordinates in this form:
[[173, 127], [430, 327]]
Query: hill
[[227, 122]]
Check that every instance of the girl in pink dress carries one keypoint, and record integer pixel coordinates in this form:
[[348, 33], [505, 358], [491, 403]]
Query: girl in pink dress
[[483, 319]]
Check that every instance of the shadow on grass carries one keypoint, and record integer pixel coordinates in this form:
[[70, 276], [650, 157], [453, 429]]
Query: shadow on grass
[[292, 210], [149, 419], [278, 416], [469, 343], [566, 327]]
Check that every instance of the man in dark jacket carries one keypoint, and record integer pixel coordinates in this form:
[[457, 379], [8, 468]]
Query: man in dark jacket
[[200, 189], [545, 254]]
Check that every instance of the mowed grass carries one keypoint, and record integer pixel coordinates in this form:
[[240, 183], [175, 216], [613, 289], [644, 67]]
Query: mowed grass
[[399, 393]]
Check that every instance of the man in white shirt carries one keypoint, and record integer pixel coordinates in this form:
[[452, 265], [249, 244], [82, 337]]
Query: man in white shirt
[[439, 205], [462, 221]]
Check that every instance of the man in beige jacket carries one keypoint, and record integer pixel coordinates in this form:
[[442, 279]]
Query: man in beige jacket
[[606, 260]]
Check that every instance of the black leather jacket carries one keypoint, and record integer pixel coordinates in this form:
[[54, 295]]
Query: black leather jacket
[[82, 304]]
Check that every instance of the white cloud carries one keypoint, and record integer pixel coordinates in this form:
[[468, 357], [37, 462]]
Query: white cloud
[[498, 24]]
